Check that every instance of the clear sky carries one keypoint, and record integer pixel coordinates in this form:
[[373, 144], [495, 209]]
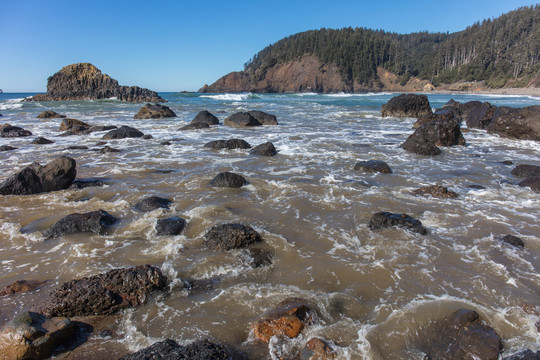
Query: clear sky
[[181, 45]]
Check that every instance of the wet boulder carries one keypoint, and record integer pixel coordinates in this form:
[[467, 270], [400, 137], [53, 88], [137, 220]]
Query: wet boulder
[[424, 119], [94, 221], [289, 318], [264, 118], [230, 236], [256, 257], [373, 166], [407, 105], [205, 117], [240, 120], [170, 226], [513, 240], [477, 114], [30, 335], [533, 183], [49, 115], [152, 203], [441, 133], [42, 141], [318, 349], [436, 191], [420, 146], [106, 293], [524, 355], [8, 131], [526, 171], [35, 179], [266, 149], [385, 219], [197, 350], [70, 124], [228, 179], [154, 111], [122, 133], [516, 123], [228, 144], [7, 148], [86, 183], [195, 126], [21, 286]]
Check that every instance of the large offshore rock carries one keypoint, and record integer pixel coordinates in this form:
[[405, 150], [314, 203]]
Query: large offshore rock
[[154, 111], [407, 105], [230, 236], [95, 222], [83, 81]]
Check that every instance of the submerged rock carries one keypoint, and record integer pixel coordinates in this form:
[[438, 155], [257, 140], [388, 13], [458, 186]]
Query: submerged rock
[[240, 120], [526, 171], [123, 132], [266, 149], [195, 126], [7, 148], [152, 203], [230, 236], [69, 124], [108, 149], [373, 166], [7, 131], [263, 118], [513, 240], [436, 191], [170, 349], [49, 115], [385, 219], [83, 184], [154, 111], [106, 293], [256, 257], [228, 179], [94, 221], [407, 105], [42, 141], [21, 286], [228, 144], [170, 226], [205, 117]]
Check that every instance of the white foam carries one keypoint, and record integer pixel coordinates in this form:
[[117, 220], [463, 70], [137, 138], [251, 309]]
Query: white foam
[[229, 97]]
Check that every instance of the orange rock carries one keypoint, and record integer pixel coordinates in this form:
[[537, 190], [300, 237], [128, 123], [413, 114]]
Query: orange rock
[[317, 349]]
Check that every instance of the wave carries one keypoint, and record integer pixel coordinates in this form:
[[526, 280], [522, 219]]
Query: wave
[[232, 97], [11, 104], [358, 95]]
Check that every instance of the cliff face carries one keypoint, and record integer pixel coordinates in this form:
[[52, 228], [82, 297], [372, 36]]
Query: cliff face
[[84, 81]]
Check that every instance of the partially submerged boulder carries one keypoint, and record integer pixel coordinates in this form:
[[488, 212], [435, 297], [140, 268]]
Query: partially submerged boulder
[[256, 257], [436, 191], [264, 118], [373, 166], [513, 240], [386, 219], [516, 123], [69, 124], [154, 111], [533, 183], [94, 221], [524, 355], [8, 131], [241, 119], [170, 226], [421, 146], [195, 126], [123, 132], [231, 236], [21, 286], [106, 293], [318, 349], [228, 144], [7, 148], [170, 349], [407, 105], [205, 117], [426, 138], [266, 149], [49, 115], [526, 171], [86, 183], [42, 141], [152, 203], [228, 179]]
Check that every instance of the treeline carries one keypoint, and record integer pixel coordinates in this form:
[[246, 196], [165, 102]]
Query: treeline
[[497, 51]]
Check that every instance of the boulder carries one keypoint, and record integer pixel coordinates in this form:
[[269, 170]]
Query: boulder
[[195, 126], [513, 240], [205, 117], [83, 81], [69, 124], [35, 179], [7, 148], [463, 336], [154, 111], [533, 183], [170, 349], [7, 131], [97, 128], [170, 226], [152, 203], [228, 179], [49, 115], [524, 355], [165, 143], [30, 335], [441, 133], [436, 191], [21, 286], [420, 146], [95, 222], [106, 293], [123, 132], [516, 123], [407, 105], [264, 118], [318, 349], [240, 120], [289, 318], [477, 114], [373, 166], [526, 171], [230, 236], [442, 114], [266, 149], [256, 257], [108, 149], [83, 184], [76, 130], [385, 219], [228, 144], [42, 141]]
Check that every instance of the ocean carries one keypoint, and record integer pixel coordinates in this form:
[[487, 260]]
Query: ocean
[[379, 293]]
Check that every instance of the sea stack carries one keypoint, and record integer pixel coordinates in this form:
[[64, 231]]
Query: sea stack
[[84, 81]]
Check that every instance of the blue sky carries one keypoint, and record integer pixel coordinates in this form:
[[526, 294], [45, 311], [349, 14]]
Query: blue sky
[[181, 45]]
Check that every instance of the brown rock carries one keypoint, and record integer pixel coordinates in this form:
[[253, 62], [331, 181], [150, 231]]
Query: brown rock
[[407, 105], [318, 349], [436, 191], [68, 124], [49, 115], [517, 123], [21, 286], [533, 183], [154, 111]]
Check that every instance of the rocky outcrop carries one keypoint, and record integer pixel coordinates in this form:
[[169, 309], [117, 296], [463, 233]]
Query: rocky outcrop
[[264, 118], [230, 236], [8, 131], [197, 350], [30, 336], [170, 226], [385, 219], [266, 149], [436, 191], [154, 111], [49, 115], [83, 81], [95, 222], [407, 105], [205, 117], [228, 144], [228, 179], [40, 140], [122, 133], [35, 179], [106, 293], [21, 286], [240, 120], [152, 203], [373, 166]]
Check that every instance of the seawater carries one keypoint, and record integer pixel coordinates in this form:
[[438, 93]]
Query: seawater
[[378, 293]]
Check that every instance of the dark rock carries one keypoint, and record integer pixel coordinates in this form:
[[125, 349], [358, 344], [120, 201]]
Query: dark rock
[[441, 115], [289, 318], [195, 126], [517, 123], [463, 336], [318, 349], [95, 222], [241, 119], [77, 147], [106, 293], [477, 114], [152, 203], [83, 184], [533, 183], [147, 137], [13, 131], [228, 179], [385, 219], [69, 124], [102, 128], [170, 226], [441, 133], [42, 141], [30, 335], [35, 179], [84, 81], [108, 149], [420, 146], [256, 257], [230, 236], [476, 187], [263, 118], [171, 350], [49, 115], [513, 240], [205, 117], [165, 143], [7, 148], [123, 132], [77, 130], [507, 162], [407, 105], [373, 166], [100, 143], [154, 111], [228, 144], [266, 149], [525, 171], [21, 286], [436, 191], [524, 355]]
